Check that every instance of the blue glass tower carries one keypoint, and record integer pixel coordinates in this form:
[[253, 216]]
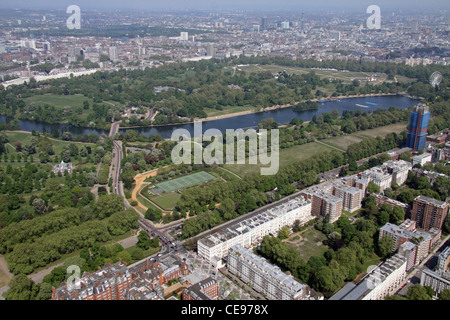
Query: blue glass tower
[[418, 127]]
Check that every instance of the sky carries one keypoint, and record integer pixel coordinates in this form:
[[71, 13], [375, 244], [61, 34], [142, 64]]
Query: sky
[[279, 5]]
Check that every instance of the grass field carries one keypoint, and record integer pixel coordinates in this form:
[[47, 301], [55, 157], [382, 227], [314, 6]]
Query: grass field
[[58, 101], [305, 151], [167, 201], [287, 156], [183, 182], [309, 244]]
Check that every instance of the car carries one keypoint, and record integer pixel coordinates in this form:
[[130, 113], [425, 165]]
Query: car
[[159, 255]]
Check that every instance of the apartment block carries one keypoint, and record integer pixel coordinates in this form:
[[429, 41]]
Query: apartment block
[[379, 176], [414, 244], [422, 159], [351, 196], [118, 282], [264, 277], [429, 212], [398, 169], [439, 278], [108, 283], [207, 289], [249, 232], [323, 204], [380, 199], [382, 281]]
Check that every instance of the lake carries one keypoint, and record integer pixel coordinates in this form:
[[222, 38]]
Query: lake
[[281, 116]]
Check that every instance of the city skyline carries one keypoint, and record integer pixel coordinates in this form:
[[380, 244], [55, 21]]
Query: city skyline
[[263, 5]]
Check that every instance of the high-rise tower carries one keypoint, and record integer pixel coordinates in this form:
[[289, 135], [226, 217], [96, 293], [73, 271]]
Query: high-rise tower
[[418, 127]]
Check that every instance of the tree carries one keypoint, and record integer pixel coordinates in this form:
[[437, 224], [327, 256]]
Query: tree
[[143, 240], [45, 292], [373, 188], [418, 292], [67, 136], [108, 205], [227, 208], [283, 233], [398, 215], [385, 246], [21, 288], [383, 218], [445, 294], [39, 206], [125, 256], [154, 215]]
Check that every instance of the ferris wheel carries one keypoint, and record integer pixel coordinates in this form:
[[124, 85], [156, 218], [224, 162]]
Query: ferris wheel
[[435, 79]]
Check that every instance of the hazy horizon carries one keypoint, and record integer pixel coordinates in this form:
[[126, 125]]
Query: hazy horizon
[[259, 5]]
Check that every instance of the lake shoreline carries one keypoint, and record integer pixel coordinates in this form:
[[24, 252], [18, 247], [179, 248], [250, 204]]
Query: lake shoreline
[[277, 107]]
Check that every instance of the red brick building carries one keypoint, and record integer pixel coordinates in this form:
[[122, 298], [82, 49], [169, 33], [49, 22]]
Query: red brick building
[[207, 289]]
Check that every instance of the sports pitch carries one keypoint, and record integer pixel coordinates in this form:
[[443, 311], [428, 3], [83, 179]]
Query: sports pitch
[[182, 182]]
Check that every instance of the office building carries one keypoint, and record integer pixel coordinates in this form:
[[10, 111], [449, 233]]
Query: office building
[[249, 232], [418, 127], [266, 278], [429, 212]]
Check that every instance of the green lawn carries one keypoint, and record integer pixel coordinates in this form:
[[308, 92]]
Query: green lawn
[[310, 244], [167, 201]]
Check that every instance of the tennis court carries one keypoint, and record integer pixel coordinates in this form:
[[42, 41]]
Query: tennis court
[[183, 182]]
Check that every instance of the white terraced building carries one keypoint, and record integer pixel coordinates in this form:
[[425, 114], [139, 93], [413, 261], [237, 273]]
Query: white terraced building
[[249, 232], [266, 278]]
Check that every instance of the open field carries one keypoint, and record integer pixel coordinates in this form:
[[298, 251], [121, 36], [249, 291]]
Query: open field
[[309, 244], [167, 201], [58, 101], [287, 156], [331, 74], [227, 110], [383, 131]]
